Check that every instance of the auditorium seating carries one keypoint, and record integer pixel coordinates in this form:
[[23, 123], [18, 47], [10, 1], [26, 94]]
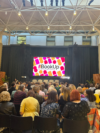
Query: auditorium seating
[[51, 80], [72, 126], [40, 80], [57, 81], [46, 81], [18, 123], [34, 80], [44, 123]]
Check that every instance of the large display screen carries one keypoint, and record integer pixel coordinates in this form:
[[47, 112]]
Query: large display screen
[[49, 66]]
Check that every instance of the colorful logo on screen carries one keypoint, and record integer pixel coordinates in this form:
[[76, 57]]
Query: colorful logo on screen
[[49, 66]]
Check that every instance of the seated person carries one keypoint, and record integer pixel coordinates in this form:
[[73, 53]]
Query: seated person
[[76, 109], [81, 92], [30, 106], [50, 107], [18, 97], [65, 98], [85, 88], [6, 107], [36, 89], [90, 98]]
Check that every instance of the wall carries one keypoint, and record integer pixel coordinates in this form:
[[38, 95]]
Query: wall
[[41, 40]]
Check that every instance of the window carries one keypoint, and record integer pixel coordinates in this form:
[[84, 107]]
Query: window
[[68, 40], [21, 39], [51, 41], [86, 41]]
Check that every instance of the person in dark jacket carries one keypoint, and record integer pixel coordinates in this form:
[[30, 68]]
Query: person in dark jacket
[[65, 98], [6, 107], [12, 87]]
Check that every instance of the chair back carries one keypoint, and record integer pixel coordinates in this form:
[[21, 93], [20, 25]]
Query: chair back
[[91, 117], [5, 121], [75, 126], [21, 123], [44, 123]]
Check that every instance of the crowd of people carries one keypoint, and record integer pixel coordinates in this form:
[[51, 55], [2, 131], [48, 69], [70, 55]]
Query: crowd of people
[[48, 100]]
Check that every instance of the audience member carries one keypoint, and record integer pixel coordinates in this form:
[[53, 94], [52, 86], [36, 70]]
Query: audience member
[[12, 87], [57, 86], [30, 106], [92, 88], [6, 107], [50, 107], [18, 97], [2, 88], [81, 92], [76, 109], [51, 88], [36, 89], [61, 91], [72, 87], [64, 98], [91, 98], [41, 92], [97, 90], [85, 88], [44, 89]]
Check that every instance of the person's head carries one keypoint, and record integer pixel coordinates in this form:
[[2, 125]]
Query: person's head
[[37, 83], [5, 96], [91, 85], [49, 83], [62, 88], [31, 93], [72, 87], [82, 85], [61, 84], [5, 85], [13, 84], [79, 84], [97, 86], [42, 87], [3, 88], [46, 86], [36, 89], [80, 89], [17, 86], [21, 87], [52, 97], [86, 85], [89, 94], [66, 93], [51, 88], [74, 95], [57, 84], [54, 84]]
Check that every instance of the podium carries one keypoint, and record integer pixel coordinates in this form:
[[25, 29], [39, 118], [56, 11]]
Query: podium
[[2, 75], [96, 78]]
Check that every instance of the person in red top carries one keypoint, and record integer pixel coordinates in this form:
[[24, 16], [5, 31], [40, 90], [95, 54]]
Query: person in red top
[[18, 97]]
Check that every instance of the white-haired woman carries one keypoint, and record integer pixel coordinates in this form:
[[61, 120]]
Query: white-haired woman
[[6, 107]]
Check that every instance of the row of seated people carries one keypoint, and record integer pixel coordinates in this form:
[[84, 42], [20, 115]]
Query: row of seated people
[[46, 100]]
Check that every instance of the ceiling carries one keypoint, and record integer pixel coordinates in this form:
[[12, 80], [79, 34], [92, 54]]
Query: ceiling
[[59, 18]]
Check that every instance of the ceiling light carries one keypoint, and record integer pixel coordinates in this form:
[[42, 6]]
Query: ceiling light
[[93, 28], [5, 29], [46, 13], [27, 28], [48, 27], [19, 13], [70, 27], [75, 13]]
